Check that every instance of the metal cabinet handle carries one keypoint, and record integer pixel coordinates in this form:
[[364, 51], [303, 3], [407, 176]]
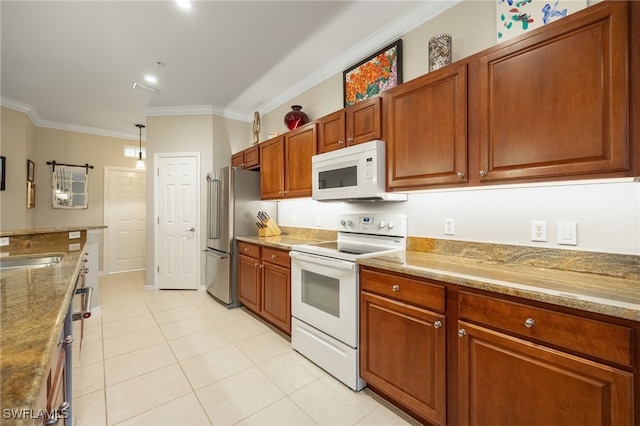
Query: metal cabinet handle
[[483, 173], [261, 266], [462, 332], [395, 287], [273, 256], [66, 341], [460, 175], [255, 264], [529, 322], [437, 324], [61, 412]]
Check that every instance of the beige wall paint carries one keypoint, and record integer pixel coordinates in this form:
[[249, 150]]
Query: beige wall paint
[[17, 144]]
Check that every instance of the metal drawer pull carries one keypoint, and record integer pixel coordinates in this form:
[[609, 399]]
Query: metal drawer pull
[[462, 332], [437, 324], [395, 287], [273, 256], [246, 249], [529, 322], [66, 341]]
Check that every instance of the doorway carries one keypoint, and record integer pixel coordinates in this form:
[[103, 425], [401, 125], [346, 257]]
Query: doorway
[[177, 207], [125, 209]]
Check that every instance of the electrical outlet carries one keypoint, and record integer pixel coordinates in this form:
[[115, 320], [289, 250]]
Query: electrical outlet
[[539, 230], [449, 227], [4, 241]]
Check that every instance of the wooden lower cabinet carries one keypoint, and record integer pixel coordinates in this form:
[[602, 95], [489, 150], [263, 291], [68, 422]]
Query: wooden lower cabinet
[[402, 353], [51, 401], [483, 359], [264, 283], [504, 380]]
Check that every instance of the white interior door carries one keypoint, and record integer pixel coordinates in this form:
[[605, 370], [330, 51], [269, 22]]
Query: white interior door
[[177, 254], [125, 216]]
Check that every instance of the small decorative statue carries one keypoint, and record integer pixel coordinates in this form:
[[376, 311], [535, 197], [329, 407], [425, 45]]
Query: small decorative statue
[[256, 127]]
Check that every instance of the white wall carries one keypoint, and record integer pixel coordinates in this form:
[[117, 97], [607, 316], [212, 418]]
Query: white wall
[[607, 214]]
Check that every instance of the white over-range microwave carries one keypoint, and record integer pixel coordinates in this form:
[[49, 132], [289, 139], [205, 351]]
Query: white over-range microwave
[[355, 173]]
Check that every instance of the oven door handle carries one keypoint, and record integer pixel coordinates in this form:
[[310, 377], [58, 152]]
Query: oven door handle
[[322, 260]]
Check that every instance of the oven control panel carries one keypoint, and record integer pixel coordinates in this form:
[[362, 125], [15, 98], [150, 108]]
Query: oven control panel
[[374, 223]]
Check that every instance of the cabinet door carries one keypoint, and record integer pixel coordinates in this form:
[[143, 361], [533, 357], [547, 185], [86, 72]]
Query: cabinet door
[[364, 121], [276, 296], [300, 145], [402, 353], [427, 130], [249, 282], [272, 171], [237, 160], [251, 158], [507, 381], [331, 132], [555, 104]]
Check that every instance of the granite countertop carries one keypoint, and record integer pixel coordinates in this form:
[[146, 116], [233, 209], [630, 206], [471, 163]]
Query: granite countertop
[[48, 230], [33, 306], [602, 283], [609, 295]]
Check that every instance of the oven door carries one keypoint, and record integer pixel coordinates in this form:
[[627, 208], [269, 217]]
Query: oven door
[[324, 294]]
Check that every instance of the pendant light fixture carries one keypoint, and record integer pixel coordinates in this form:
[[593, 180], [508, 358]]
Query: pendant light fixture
[[140, 163]]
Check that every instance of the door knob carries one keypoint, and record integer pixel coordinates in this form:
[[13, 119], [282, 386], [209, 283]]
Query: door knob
[[191, 230]]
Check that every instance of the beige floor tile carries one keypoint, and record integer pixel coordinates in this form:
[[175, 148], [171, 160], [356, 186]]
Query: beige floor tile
[[140, 394], [87, 379], [244, 329], [166, 304], [264, 347], [89, 353], [383, 416], [219, 315], [90, 409], [129, 325], [213, 366], [330, 402], [198, 343], [184, 411], [282, 412], [238, 397], [291, 371], [128, 310], [136, 363], [129, 342], [186, 326], [176, 314]]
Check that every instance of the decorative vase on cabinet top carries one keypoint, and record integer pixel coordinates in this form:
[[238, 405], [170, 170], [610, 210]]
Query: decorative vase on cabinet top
[[295, 118]]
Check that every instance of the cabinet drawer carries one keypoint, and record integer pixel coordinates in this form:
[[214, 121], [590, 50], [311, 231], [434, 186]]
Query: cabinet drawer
[[414, 291], [279, 257], [248, 249], [592, 337]]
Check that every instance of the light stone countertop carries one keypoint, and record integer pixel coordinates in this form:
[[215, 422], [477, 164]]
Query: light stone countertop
[[33, 306]]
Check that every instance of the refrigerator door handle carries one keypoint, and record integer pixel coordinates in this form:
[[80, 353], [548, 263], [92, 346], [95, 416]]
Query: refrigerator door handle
[[214, 207]]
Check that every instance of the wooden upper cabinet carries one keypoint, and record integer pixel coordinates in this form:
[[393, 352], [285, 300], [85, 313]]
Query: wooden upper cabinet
[[272, 171], [247, 159], [300, 146], [427, 130], [358, 123], [286, 163], [555, 104]]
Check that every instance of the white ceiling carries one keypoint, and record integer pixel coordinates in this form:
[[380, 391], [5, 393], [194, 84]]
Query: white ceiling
[[72, 64]]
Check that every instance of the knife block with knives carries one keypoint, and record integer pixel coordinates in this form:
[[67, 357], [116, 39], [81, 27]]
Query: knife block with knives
[[267, 227]]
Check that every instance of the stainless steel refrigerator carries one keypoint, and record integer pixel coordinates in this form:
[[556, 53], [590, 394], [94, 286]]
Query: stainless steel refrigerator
[[233, 201]]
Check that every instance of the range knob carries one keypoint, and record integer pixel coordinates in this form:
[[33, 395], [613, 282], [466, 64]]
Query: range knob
[[343, 222], [349, 222], [381, 224], [391, 225]]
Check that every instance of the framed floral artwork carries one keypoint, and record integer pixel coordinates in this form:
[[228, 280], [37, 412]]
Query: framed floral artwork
[[375, 74]]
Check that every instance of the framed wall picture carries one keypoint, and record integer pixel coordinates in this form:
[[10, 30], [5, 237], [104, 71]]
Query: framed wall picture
[[3, 172], [373, 75], [31, 171]]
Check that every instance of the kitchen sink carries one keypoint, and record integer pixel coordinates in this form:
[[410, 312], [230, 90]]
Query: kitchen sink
[[30, 262]]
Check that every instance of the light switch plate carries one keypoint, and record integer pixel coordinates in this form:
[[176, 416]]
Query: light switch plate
[[74, 246], [568, 233], [74, 235]]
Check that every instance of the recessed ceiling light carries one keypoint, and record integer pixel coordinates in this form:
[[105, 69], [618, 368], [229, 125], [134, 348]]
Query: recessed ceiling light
[[150, 79], [185, 4]]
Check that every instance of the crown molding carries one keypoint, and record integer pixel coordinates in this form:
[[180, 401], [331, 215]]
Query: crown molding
[[195, 110]]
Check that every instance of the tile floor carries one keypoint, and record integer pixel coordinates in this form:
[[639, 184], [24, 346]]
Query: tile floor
[[179, 358]]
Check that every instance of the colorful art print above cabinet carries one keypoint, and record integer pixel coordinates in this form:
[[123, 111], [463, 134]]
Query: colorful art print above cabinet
[[373, 75], [516, 17]]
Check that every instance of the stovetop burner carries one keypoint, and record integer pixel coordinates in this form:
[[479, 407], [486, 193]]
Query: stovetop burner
[[362, 235]]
